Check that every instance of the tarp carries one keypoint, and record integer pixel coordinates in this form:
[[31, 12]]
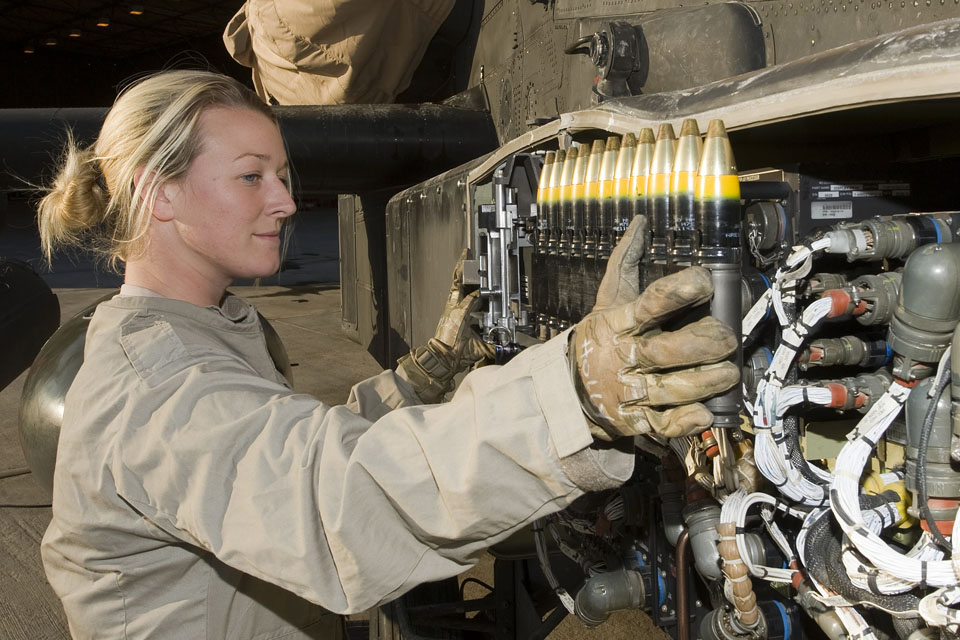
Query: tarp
[[333, 51]]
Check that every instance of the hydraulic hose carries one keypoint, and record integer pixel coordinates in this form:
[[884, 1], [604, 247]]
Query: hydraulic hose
[[734, 568], [921, 469], [823, 560]]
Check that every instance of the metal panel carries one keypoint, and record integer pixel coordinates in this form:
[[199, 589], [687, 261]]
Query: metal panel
[[427, 231], [346, 217]]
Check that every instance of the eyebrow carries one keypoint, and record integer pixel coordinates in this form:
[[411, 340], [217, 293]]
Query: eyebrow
[[260, 156]]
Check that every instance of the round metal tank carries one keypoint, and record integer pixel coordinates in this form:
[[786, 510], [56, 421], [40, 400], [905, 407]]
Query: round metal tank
[[52, 373]]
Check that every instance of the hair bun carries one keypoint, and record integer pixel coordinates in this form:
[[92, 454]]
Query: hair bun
[[76, 202]]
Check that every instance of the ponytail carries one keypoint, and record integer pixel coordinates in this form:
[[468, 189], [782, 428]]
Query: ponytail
[[75, 204]]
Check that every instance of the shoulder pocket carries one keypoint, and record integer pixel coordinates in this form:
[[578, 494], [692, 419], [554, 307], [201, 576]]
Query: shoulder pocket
[[153, 347]]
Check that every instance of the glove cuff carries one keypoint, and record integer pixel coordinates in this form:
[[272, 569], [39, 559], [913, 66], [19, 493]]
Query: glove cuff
[[600, 427], [428, 369]]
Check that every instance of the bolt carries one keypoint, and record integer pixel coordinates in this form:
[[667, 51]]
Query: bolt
[[813, 43], [698, 604], [664, 608]]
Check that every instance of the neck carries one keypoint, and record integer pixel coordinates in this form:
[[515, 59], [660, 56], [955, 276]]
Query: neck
[[156, 271]]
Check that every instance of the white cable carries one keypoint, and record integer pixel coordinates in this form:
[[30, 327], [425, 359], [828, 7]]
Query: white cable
[[845, 492], [757, 313], [540, 542], [735, 510]]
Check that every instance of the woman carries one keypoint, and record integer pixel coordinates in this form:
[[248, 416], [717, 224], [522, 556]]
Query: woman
[[195, 494]]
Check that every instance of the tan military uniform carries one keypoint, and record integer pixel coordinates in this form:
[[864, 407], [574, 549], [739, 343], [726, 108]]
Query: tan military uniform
[[197, 496], [333, 51]]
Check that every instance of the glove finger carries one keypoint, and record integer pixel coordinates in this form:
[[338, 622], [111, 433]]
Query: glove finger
[[476, 349], [456, 284], [661, 299], [456, 319], [676, 422], [703, 342], [677, 387], [621, 280], [671, 294]]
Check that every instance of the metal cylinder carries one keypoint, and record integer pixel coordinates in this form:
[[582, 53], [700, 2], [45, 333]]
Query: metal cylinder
[[640, 171], [928, 309], [607, 592], [702, 518], [726, 306], [658, 192], [942, 480], [879, 293], [682, 229], [845, 351]]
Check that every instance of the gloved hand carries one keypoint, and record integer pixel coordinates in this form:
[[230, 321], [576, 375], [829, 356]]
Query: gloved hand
[[633, 378], [430, 369]]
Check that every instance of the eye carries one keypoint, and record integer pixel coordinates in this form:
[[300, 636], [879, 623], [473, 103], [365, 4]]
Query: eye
[[251, 178]]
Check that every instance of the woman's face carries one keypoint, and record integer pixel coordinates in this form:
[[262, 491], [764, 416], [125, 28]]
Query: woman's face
[[230, 206]]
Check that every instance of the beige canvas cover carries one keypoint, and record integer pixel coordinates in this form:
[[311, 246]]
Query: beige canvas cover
[[333, 51]]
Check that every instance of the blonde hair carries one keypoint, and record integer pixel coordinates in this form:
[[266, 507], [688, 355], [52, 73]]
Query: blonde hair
[[95, 201]]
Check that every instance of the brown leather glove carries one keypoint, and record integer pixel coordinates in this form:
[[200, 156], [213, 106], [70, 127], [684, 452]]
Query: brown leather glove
[[634, 378], [455, 347]]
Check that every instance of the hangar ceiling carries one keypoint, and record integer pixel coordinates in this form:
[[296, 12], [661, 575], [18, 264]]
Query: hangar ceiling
[[60, 53]]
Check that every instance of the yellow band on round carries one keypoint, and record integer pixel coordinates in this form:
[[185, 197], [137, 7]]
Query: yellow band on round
[[724, 187]]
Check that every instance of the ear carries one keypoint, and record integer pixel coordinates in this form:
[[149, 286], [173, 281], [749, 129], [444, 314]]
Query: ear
[[162, 208]]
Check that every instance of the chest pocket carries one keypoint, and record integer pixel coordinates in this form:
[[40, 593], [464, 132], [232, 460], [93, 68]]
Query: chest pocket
[[153, 348]]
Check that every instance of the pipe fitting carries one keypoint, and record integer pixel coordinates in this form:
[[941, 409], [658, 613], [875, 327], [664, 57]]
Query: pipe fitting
[[928, 309], [702, 519], [607, 592]]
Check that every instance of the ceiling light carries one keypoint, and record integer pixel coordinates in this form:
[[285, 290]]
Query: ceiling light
[[29, 49], [50, 42], [136, 10], [104, 21], [75, 33]]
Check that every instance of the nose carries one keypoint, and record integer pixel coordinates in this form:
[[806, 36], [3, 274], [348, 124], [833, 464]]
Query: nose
[[281, 202]]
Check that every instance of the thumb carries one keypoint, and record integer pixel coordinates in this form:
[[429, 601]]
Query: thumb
[[621, 281]]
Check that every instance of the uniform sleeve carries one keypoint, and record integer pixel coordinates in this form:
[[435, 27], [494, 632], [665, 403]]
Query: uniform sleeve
[[346, 512], [377, 396]]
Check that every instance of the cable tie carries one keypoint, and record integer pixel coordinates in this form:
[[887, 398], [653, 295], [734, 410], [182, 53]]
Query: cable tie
[[806, 396], [923, 574], [740, 531], [872, 583], [870, 442]]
